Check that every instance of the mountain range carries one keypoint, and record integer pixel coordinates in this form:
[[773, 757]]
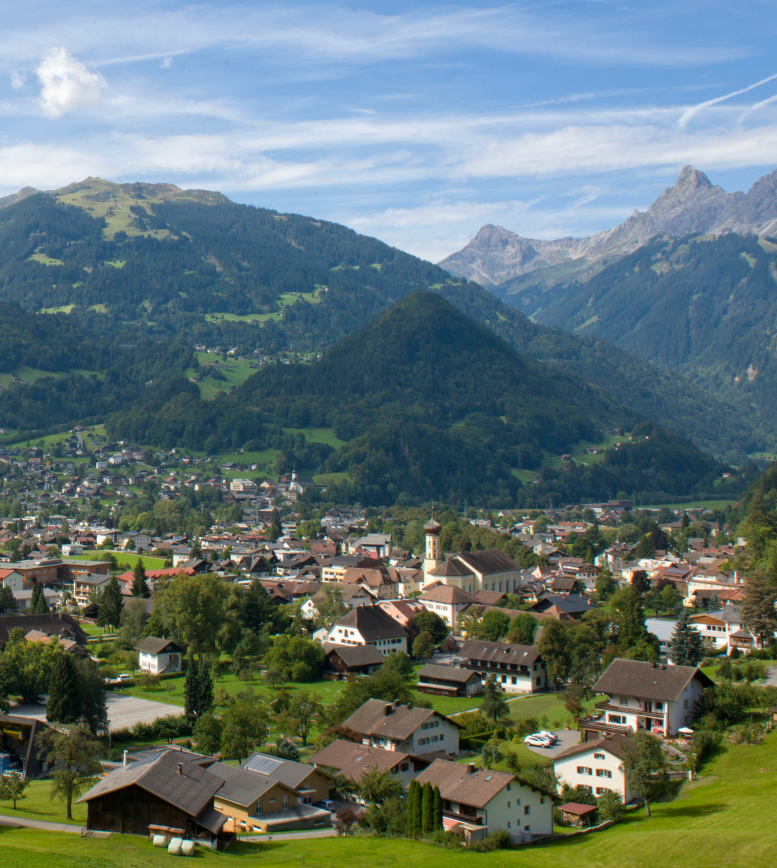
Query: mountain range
[[692, 205]]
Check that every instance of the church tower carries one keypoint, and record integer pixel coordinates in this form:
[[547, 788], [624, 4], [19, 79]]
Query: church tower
[[433, 556]]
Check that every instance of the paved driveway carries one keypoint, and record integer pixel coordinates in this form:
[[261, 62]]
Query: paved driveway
[[566, 738], [771, 677], [123, 711]]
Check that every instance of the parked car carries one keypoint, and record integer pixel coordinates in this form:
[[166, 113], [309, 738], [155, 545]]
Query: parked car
[[537, 740], [328, 804], [550, 735]]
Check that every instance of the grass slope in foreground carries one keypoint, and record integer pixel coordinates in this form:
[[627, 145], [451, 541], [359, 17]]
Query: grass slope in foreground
[[724, 818]]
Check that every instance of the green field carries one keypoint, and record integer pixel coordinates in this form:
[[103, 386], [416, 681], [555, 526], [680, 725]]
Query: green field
[[724, 818], [37, 805], [235, 372], [318, 435], [284, 300], [129, 559]]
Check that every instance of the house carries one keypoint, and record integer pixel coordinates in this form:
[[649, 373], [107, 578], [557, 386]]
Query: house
[[478, 801], [24, 599], [566, 608], [368, 625], [402, 611], [310, 782], [169, 789], [340, 661], [353, 761], [642, 695], [159, 655], [448, 681], [447, 601], [398, 727], [596, 765], [83, 586], [255, 802], [724, 629], [517, 668], [377, 581], [60, 625]]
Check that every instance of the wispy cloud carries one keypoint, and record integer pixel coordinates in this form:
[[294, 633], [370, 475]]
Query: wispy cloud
[[691, 112]]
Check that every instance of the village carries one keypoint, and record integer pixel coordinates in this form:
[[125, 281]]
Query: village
[[331, 671]]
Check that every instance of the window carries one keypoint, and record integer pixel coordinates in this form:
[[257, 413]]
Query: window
[[285, 802], [526, 810], [508, 804], [600, 790], [508, 822], [259, 807], [542, 800], [603, 773], [616, 718], [584, 770], [527, 828], [598, 756], [509, 787], [404, 767]]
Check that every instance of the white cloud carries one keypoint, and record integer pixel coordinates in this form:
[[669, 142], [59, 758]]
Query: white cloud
[[67, 84], [689, 113], [166, 63], [17, 80]]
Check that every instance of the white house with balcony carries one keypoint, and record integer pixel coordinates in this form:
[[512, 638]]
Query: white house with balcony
[[159, 655], [651, 696], [724, 629]]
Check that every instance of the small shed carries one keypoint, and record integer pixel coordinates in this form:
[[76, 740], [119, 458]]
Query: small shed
[[448, 681], [578, 814]]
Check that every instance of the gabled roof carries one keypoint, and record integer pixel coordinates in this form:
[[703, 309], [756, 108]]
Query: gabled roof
[[436, 672], [610, 743], [354, 760], [501, 652], [287, 772], [449, 594], [155, 645], [450, 567], [243, 787], [356, 655], [489, 561], [460, 783], [191, 791], [389, 719], [648, 680], [372, 623]]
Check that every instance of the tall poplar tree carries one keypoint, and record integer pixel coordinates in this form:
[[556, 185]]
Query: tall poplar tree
[[427, 808]]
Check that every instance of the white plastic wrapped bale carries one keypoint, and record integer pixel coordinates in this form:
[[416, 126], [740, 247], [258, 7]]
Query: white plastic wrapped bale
[[159, 841], [174, 848], [187, 848]]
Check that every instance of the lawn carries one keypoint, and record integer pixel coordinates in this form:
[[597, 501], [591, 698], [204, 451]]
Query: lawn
[[318, 435], [125, 559], [38, 806], [724, 818]]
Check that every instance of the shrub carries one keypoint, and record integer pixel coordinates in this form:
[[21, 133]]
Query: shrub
[[610, 806], [498, 839]]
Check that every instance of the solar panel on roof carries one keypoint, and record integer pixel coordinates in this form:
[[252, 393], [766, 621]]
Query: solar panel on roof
[[265, 765]]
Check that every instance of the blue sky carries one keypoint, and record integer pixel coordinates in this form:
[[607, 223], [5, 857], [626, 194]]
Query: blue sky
[[416, 123]]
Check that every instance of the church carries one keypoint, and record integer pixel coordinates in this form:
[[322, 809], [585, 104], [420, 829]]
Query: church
[[489, 570]]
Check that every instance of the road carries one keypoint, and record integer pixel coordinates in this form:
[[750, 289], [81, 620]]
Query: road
[[39, 824], [771, 677], [291, 836]]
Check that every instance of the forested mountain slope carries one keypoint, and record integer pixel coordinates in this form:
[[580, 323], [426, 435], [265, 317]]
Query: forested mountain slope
[[431, 404], [705, 308], [193, 265]]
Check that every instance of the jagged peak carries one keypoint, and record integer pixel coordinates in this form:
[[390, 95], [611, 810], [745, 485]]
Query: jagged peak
[[690, 177]]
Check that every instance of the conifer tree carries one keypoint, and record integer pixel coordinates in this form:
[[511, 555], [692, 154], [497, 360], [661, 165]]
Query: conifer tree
[[417, 807], [686, 645], [38, 604], [204, 687], [437, 809], [110, 605], [64, 704], [191, 687], [411, 808], [427, 808], [139, 584]]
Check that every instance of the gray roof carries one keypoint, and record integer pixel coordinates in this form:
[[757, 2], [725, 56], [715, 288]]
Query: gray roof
[[489, 561], [373, 623], [240, 786], [287, 772], [356, 655], [648, 680], [191, 791], [499, 652], [435, 672], [155, 645]]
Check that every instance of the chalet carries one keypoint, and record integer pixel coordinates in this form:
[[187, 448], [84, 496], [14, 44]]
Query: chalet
[[478, 801], [448, 681], [311, 783], [517, 668], [60, 625], [368, 625], [642, 695], [724, 629], [398, 727], [170, 789], [447, 601], [377, 581], [566, 608], [85, 585], [159, 655], [353, 761], [340, 661], [402, 611], [596, 765]]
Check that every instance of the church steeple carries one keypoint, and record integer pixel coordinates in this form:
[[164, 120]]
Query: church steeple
[[433, 557]]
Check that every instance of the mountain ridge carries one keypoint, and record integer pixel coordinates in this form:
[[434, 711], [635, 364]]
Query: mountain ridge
[[693, 205]]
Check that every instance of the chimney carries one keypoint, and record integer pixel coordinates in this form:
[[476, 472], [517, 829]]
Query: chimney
[[471, 768], [179, 768], [125, 759]]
